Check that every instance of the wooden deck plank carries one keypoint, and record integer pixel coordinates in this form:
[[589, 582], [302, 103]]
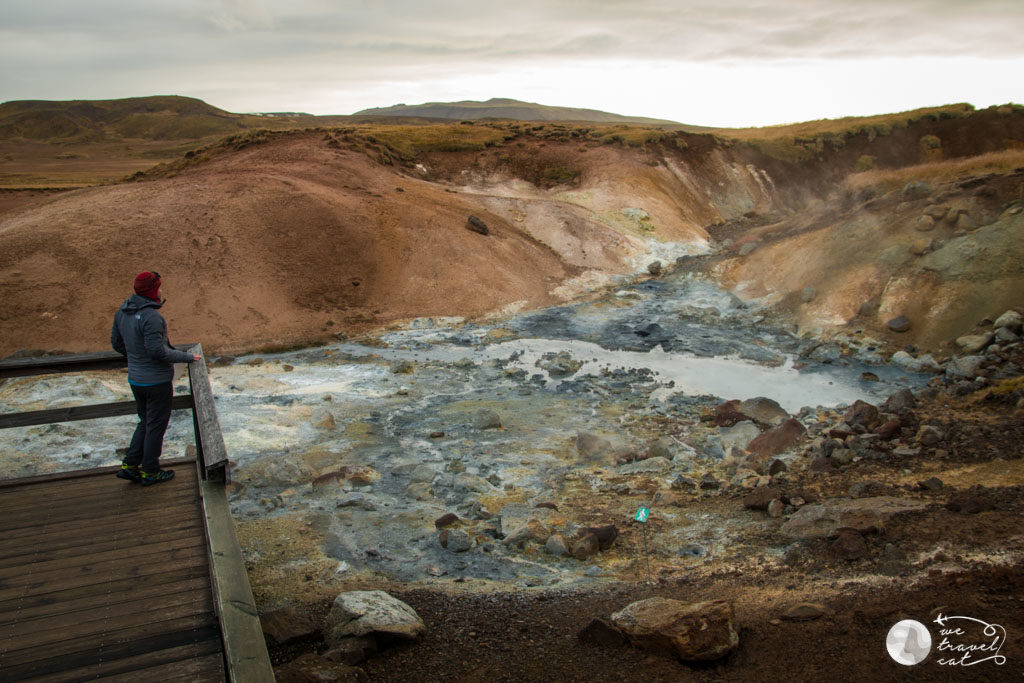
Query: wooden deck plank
[[127, 615], [27, 524], [87, 560], [57, 580], [126, 652], [197, 668], [53, 601], [58, 549], [28, 613], [149, 666], [115, 523]]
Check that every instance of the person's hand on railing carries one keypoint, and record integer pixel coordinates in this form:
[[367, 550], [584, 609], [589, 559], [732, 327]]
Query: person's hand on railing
[[196, 357]]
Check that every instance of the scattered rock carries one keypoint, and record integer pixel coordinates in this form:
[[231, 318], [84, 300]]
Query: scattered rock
[[311, 667], [446, 519], [929, 436], [601, 632], [594, 448], [477, 225], [930, 484], [360, 613], [779, 439], [761, 497], [889, 430], [533, 530], [862, 414], [402, 367], [701, 631], [323, 419], [728, 414], [557, 545], [863, 514], [763, 410], [485, 418], [804, 611], [924, 223], [708, 481], [970, 503], [964, 366], [646, 466], [1011, 320], [585, 547], [916, 189], [869, 377], [901, 401], [287, 625], [655, 268], [455, 540], [972, 343], [899, 324], [849, 545], [807, 294], [605, 535], [352, 651], [776, 508]]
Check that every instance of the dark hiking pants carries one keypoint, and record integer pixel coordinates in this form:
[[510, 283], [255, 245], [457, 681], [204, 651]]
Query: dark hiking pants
[[154, 407]]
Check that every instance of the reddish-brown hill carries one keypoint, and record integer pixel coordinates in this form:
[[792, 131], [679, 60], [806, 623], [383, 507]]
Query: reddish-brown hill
[[286, 238]]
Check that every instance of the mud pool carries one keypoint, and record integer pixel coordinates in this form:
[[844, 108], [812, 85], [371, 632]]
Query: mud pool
[[355, 449]]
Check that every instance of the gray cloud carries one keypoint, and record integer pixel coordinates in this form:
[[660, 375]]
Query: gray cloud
[[60, 49]]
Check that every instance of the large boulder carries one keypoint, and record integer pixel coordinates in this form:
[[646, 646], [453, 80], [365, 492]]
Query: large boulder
[[764, 410], [693, 632], [824, 519], [738, 435], [964, 366], [778, 439], [360, 613], [1011, 320], [973, 343]]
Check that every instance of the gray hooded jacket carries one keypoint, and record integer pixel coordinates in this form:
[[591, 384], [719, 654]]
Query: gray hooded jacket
[[140, 333]]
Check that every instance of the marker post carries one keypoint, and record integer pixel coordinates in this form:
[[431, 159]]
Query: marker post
[[641, 516]]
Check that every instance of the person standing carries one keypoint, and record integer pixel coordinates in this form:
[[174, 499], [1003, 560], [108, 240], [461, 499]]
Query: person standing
[[140, 333]]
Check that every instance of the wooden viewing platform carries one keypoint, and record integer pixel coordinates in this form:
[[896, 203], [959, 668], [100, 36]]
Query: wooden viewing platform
[[103, 578]]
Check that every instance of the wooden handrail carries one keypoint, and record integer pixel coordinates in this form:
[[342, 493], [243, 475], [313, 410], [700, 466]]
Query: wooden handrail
[[209, 440]]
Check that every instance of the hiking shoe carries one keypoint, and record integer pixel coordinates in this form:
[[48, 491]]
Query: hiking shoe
[[150, 478], [129, 472]]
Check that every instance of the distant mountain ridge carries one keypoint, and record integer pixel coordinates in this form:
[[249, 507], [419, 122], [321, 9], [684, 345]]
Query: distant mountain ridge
[[503, 108]]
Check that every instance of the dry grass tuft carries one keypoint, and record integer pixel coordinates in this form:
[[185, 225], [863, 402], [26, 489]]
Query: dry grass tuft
[[952, 170]]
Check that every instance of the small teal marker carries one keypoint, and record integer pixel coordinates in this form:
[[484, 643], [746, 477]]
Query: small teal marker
[[641, 514]]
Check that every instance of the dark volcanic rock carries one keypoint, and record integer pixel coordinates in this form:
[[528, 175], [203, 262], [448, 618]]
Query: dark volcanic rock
[[863, 414], [287, 625], [849, 545], [601, 632], [759, 498], [779, 439], [899, 324], [477, 225]]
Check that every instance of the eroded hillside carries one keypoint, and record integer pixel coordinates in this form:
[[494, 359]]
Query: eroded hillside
[[285, 238]]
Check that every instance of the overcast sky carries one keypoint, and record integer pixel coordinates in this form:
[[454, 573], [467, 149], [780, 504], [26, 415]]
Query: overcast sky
[[713, 62]]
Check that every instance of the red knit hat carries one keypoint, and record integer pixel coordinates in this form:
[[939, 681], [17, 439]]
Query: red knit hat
[[147, 284]]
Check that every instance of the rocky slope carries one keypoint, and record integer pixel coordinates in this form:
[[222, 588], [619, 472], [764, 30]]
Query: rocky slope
[[279, 239]]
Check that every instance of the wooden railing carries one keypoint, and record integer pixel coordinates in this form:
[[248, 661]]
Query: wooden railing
[[245, 651], [209, 441]]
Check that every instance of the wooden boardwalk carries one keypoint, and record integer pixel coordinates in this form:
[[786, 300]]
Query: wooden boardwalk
[[101, 577]]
